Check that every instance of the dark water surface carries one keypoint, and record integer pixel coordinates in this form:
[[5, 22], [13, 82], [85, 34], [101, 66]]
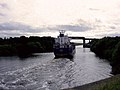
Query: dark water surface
[[43, 72]]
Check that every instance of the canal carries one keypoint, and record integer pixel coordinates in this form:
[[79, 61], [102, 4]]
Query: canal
[[43, 72]]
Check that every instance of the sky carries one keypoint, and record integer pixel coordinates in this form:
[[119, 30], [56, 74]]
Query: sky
[[88, 18]]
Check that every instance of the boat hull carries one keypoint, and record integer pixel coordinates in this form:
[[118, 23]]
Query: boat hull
[[64, 52]]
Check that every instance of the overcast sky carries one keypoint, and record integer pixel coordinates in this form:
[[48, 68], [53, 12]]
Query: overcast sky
[[89, 18]]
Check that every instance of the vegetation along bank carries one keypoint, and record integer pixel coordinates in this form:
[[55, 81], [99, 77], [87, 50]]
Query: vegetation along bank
[[25, 46], [108, 48]]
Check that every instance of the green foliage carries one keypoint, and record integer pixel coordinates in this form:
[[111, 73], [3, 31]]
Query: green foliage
[[34, 47], [116, 53], [108, 48], [7, 50], [24, 46], [116, 59], [112, 84]]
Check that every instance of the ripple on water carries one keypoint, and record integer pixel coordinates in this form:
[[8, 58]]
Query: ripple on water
[[54, 74], [51, 75]]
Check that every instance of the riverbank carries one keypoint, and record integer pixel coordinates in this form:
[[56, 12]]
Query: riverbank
[[108, 48], [25, 46], [112, 83]]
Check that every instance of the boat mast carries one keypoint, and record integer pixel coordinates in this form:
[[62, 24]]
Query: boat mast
[[62, 33]]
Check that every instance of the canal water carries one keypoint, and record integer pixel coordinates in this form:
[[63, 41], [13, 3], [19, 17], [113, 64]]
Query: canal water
[[43, 72]]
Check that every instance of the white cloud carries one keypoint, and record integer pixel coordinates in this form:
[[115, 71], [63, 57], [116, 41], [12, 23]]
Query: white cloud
[[84, 16]]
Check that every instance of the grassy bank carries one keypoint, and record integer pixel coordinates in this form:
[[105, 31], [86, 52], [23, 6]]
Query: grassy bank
[[112, 83]]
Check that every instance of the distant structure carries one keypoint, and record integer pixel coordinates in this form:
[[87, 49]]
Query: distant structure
[[84, 39]]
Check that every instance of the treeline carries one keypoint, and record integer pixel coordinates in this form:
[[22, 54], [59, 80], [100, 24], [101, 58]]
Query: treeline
[[108, 48], [25, 46]]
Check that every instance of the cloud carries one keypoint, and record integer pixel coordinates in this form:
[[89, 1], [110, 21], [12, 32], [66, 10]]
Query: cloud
[[4, 12], [17, 29], [3, 15], [80, 26], [11, 26], [4, 6], [75, 28], [112, 27], [9, 29], [94, 9], [114, 34], [10, 34]]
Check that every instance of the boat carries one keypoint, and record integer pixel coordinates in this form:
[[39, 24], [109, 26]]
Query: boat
[[63, 47]]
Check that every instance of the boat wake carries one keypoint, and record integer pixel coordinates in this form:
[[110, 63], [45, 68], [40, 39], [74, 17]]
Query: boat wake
[[52, 75]]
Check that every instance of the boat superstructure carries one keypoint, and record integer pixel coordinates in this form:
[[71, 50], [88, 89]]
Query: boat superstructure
[[63, 47]]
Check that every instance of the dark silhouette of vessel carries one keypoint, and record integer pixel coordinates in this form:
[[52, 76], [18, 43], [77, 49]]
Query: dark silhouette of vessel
[[63, 47]]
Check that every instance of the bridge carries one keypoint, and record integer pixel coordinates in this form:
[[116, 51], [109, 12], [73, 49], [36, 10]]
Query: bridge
[[84, 39]]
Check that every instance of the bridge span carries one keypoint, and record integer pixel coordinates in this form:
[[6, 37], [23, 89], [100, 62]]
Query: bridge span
[[84, 39]]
